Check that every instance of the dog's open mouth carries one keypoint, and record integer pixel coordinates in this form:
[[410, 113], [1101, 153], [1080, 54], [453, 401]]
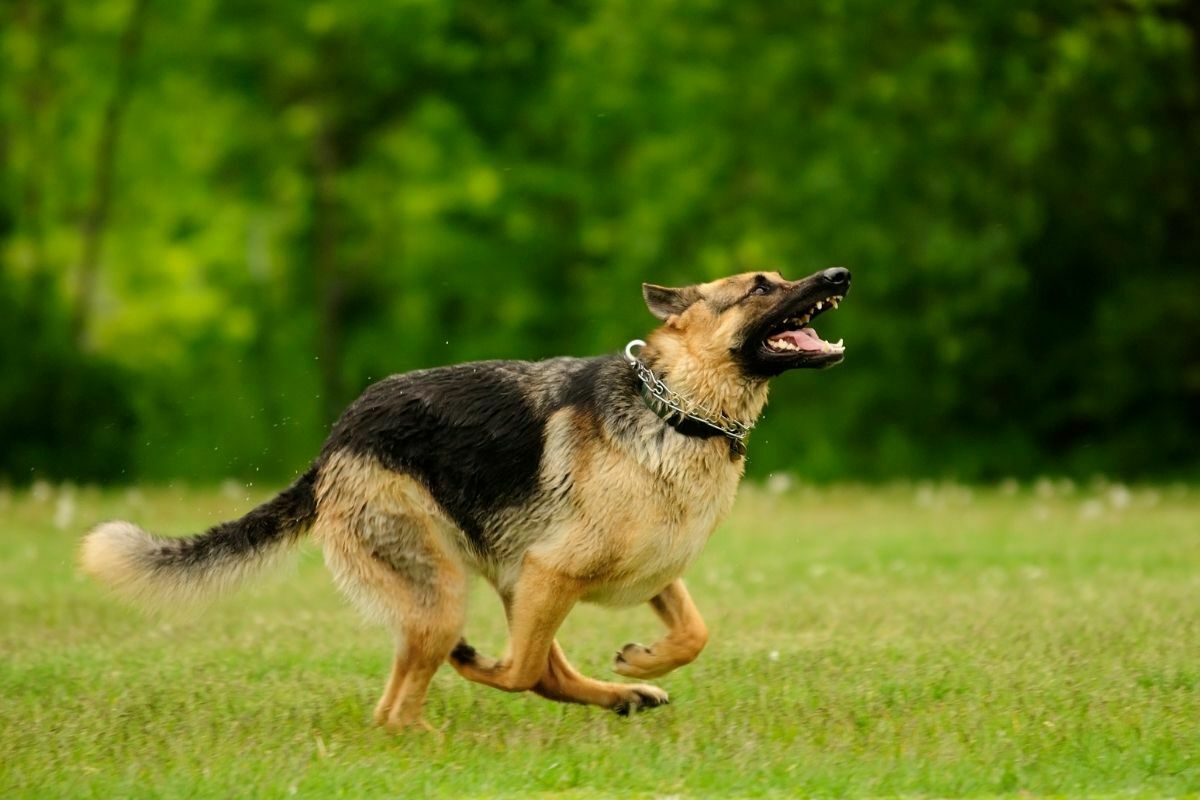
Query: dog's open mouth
[[794, 334]]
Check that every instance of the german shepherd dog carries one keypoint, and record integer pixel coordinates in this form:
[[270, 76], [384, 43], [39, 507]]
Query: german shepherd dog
[[560, 481]]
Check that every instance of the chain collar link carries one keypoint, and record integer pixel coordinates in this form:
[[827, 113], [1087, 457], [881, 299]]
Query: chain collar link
[[690, 409]]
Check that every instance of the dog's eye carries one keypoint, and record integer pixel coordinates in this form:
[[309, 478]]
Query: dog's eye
[[761, 289]]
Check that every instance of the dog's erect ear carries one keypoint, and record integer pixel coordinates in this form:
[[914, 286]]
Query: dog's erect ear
[[665, 302]]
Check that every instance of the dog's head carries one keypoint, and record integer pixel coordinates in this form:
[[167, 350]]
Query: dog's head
[[756, 321]]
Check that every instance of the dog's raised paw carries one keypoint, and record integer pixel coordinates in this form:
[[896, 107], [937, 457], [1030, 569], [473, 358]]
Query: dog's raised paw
[[631, 651], [632, 660], [639, 698]]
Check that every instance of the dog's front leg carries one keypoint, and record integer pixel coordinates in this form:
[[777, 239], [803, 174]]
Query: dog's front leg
[[686, 637], [539, 603], [562, 682], [537, 606]]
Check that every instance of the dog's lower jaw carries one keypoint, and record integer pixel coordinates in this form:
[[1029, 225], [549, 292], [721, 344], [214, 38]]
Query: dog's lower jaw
[[727, 388]]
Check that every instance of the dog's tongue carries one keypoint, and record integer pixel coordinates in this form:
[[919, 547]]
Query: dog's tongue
[[803, 339]]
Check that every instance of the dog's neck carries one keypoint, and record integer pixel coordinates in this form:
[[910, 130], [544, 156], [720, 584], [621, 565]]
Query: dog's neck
[[706, 377]]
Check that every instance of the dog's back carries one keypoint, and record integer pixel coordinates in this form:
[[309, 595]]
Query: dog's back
[[472, 434]]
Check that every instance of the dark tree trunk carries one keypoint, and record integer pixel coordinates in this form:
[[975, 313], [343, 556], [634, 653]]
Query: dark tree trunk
[[95, 217], [45, 19]]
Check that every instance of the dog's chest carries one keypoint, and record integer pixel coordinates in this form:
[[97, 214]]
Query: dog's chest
[[639, 520], [661, 549]]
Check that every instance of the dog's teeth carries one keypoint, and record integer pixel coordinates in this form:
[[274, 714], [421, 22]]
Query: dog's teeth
[[839, 343], [834, 302], [819, 304]]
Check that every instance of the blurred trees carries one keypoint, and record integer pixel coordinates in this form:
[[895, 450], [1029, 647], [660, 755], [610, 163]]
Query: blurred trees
[[302, 198]]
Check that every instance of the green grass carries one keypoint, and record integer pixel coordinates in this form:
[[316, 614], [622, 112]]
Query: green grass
[[931, 641]]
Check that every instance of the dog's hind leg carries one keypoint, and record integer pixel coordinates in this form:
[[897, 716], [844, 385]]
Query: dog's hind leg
[[686, 637], [392, 566], [394, 683]]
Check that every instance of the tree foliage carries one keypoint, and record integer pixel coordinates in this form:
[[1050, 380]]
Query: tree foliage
[[296, 199]]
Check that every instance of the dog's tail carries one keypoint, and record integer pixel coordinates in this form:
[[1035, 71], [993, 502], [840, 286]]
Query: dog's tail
[[167, 573]]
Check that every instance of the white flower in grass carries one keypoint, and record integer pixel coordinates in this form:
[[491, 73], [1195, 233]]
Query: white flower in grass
[[1119, 497]]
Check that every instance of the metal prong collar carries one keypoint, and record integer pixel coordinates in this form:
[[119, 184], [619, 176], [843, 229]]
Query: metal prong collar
[[631, 356]]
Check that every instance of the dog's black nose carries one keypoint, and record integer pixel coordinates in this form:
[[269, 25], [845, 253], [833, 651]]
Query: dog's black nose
[[838, 276]]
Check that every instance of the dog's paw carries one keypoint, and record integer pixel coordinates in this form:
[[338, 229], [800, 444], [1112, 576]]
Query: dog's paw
[[640, 697], [469, 662], [636, 661]]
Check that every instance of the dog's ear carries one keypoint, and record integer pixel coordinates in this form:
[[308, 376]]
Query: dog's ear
[[665, 302]]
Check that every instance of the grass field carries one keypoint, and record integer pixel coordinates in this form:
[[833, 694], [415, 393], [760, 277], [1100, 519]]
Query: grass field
[[918, 641]]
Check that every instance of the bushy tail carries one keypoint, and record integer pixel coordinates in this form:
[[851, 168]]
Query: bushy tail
[[164, 572]]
